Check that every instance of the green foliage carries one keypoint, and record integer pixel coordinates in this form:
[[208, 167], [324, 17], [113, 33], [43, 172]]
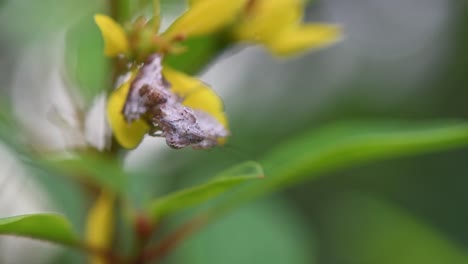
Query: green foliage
[[84, 55], [200, 52], [32, 19], [47, 227], [359, 228], [193, 196], [351, 143], [303, 158], [7, 125], [345, 145]]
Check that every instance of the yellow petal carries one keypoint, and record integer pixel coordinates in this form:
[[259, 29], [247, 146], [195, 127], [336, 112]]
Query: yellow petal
[[129, 135], [304, 37], [115, 40], [268, 18], [205, 17], [100, 224], [196, 94]]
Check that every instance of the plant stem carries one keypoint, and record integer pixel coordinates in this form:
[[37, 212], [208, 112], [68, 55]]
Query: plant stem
[[171, 241], [108, 255]]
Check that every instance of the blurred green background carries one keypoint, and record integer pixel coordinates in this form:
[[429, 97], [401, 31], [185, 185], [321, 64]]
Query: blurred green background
[[399, 59]]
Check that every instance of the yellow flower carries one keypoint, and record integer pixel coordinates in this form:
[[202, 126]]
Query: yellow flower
[[99, 224], [115, 40], [197, 96], [200, 19], [277, 24], [205, 17], [129, 135]]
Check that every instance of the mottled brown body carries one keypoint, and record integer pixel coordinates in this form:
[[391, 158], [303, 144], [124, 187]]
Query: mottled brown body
[[150, 97]]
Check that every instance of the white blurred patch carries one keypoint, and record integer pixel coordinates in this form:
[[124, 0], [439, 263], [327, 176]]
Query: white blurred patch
[[398, 42], [170, 12], [19, 195], [42, 98], [97, 130], [390, 30], [48, 105], [147, 153]]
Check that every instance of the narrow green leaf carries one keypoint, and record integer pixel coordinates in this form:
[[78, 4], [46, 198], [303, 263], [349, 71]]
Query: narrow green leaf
[[49, 227], [345, 145], [193, 196], [352, 143]]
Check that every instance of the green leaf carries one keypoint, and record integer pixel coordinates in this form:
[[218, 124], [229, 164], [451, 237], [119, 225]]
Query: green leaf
[[345, 145], [49, 227], [194, 196], [87, 64], [352, 143], [200, 52]]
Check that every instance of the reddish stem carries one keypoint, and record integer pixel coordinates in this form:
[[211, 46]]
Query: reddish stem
[[171, 241], [108, 255]]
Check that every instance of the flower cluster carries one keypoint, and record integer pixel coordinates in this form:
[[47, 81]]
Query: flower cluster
[[157, 100]]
